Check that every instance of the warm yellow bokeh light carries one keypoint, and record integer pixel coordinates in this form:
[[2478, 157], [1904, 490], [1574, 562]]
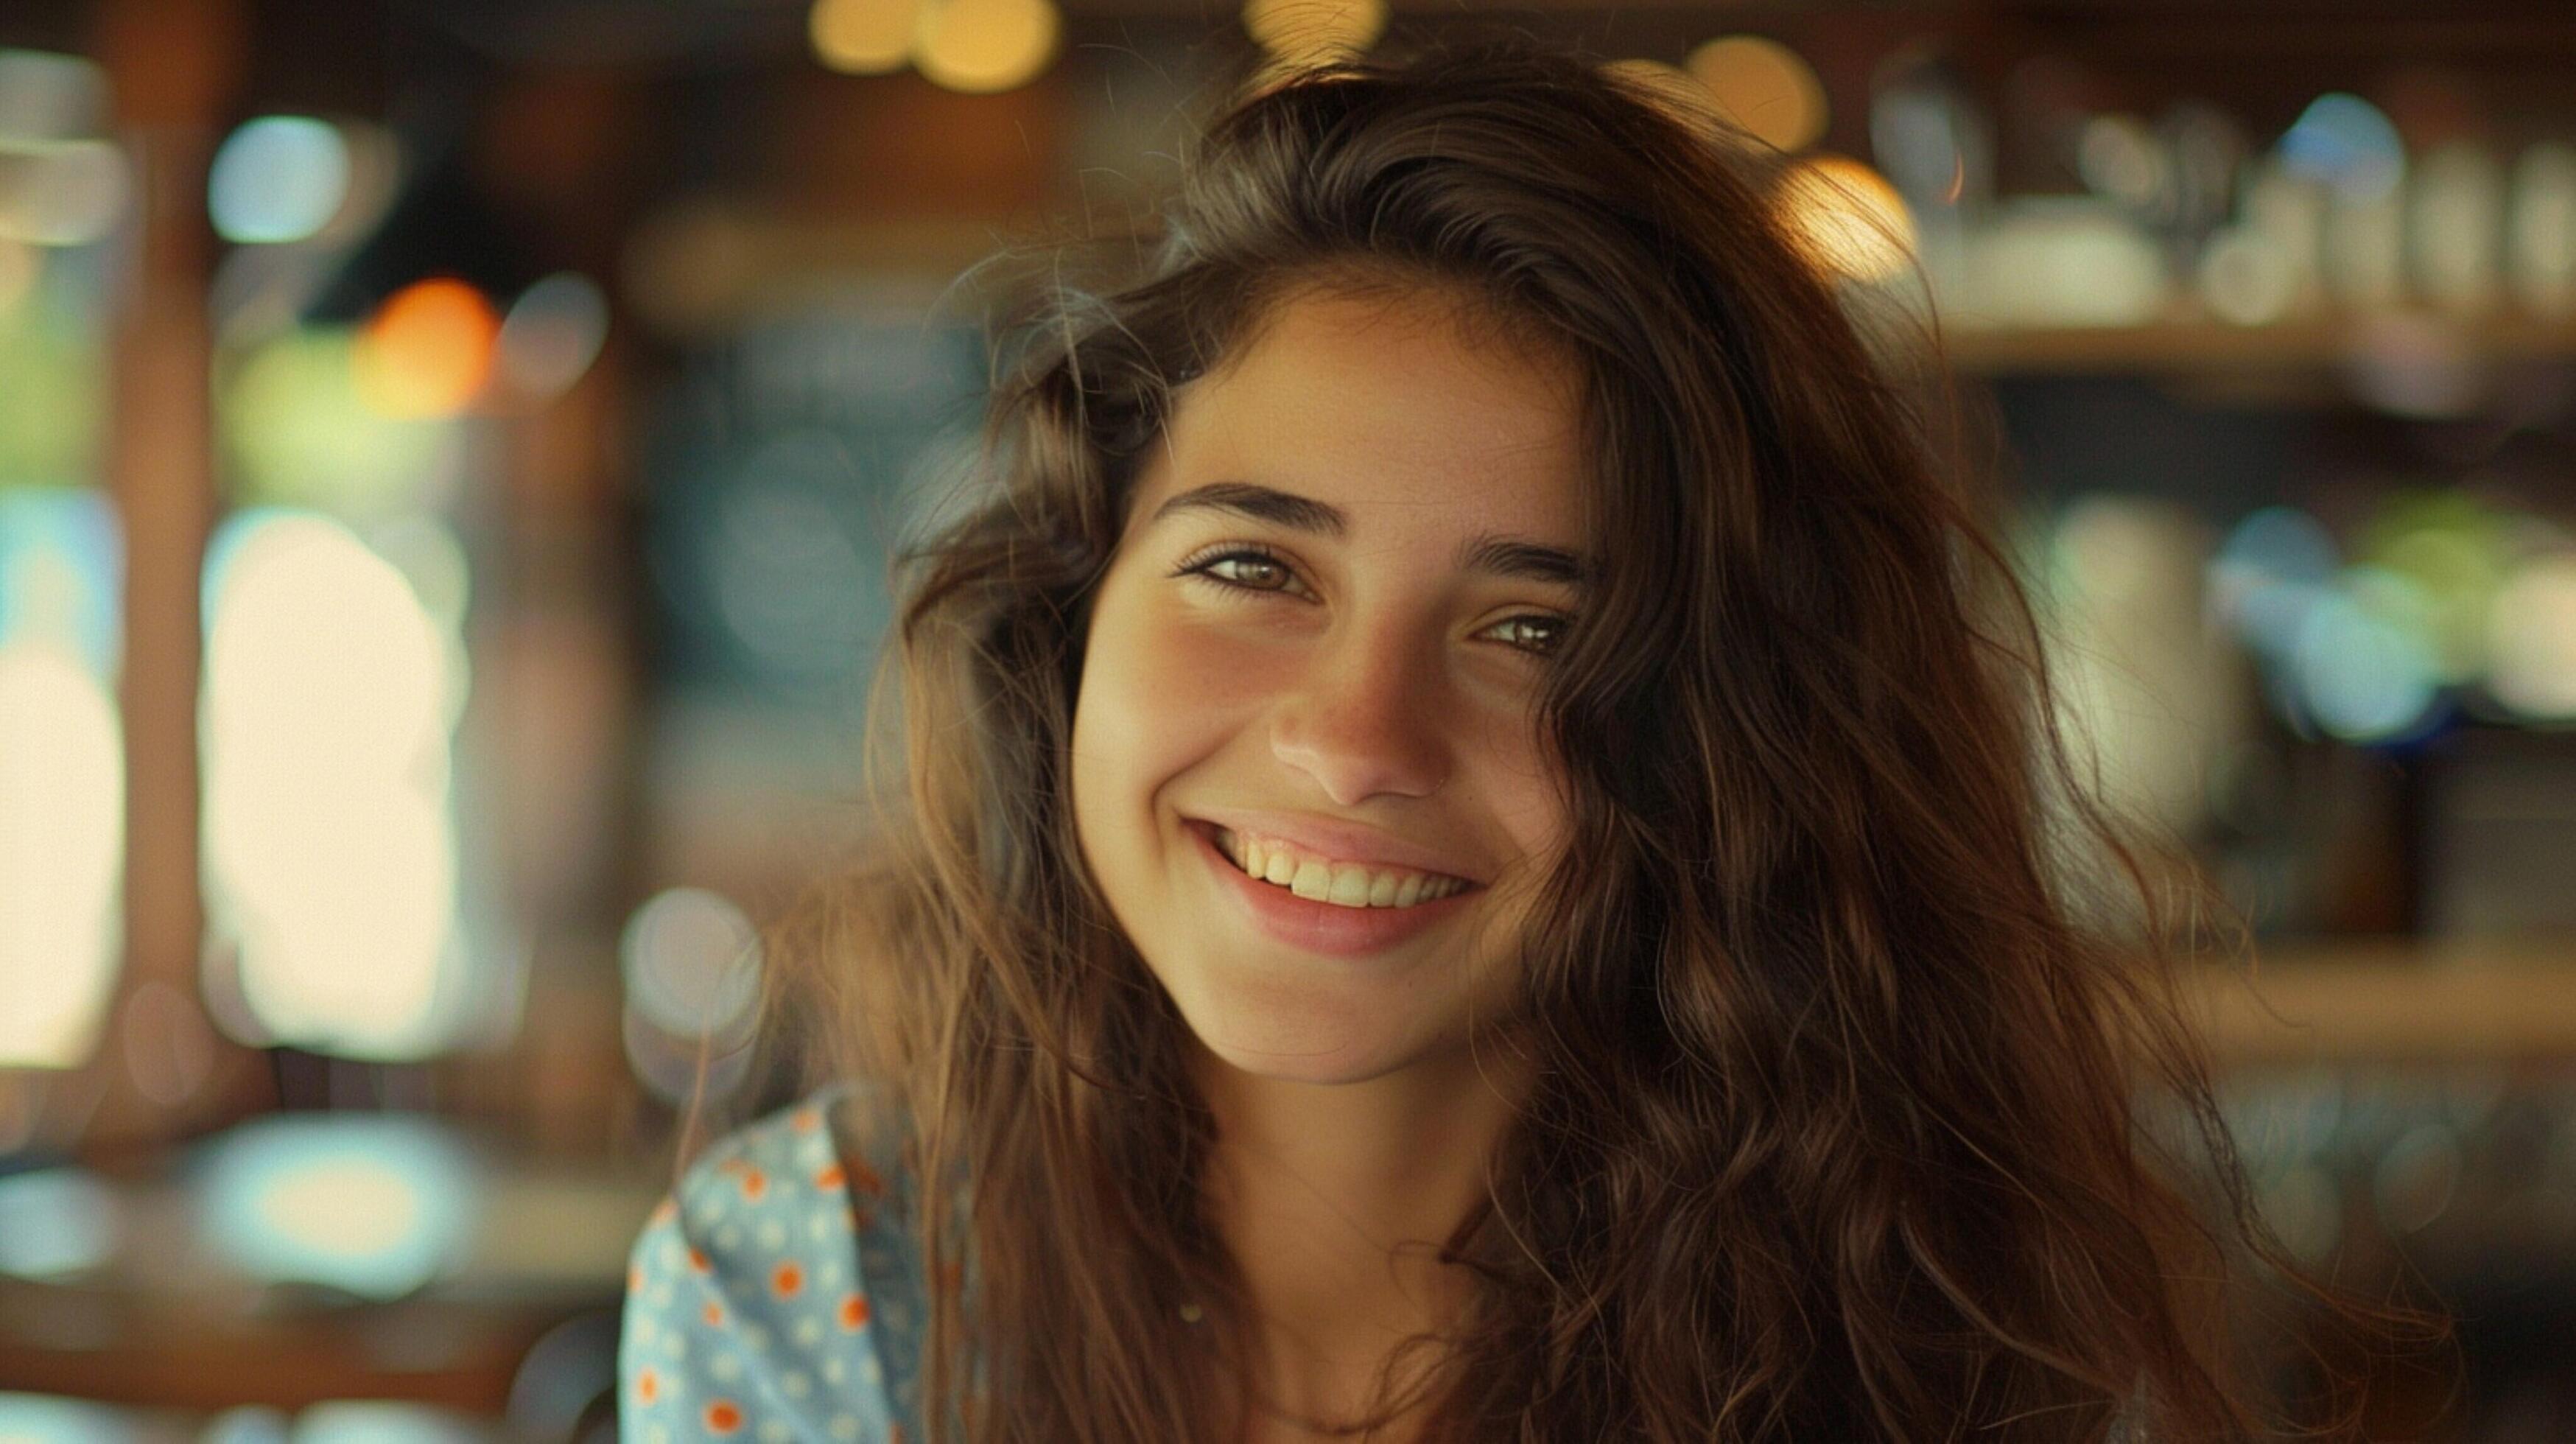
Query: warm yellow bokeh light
[[428, 350], [62, 850], [863, 37], [1301, 33], [2532, 640], [981, 46], [329, 846], [1764, 87], [1847, 218]]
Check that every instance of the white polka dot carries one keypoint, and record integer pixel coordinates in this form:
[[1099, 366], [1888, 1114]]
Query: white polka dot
[[728, 1237], [643, 1330], [821, 1226], [808, 1332], [871, 1373], [845, 1426], [726, 1368], [773, 1237], [775, 1432], [833, 1371], [658, 1434], [753, 1336], [795, 1385]]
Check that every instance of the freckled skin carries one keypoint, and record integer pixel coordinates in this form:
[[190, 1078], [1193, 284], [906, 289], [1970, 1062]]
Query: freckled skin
[[1375, 682]]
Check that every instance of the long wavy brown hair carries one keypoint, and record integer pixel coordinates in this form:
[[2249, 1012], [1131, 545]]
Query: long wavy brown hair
[[1865, 1107]]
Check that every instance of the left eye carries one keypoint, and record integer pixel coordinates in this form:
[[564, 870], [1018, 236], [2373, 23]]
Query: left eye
[[1259, 564], [1255, 561], [1552, 629]]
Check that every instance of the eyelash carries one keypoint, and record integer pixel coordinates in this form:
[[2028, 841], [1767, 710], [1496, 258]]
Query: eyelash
[[1198, 565]]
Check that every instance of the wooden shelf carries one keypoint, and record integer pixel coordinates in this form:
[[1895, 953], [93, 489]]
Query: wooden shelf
[[2396, 1002]]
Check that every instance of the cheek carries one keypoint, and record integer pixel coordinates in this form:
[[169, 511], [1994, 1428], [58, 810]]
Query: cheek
[[1156, 696]]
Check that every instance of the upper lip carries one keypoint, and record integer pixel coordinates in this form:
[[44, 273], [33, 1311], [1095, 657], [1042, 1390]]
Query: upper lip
[[1340, 841]]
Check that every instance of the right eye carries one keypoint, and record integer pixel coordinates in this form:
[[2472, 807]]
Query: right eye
[[1253, 570]]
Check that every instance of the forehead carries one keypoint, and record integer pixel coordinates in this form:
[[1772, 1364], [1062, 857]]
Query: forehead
[[1405, 407]]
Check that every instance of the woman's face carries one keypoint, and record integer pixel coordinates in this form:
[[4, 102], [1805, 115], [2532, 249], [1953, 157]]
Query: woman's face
[[1322, 633]]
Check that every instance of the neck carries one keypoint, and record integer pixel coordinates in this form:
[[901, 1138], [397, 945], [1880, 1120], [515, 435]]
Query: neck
[[1334, 1200]]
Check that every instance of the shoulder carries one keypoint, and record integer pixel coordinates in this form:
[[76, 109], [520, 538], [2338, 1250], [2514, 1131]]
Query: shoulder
[[775, 1293]]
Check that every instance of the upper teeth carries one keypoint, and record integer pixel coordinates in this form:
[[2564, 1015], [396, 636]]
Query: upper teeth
[[1345, 884]]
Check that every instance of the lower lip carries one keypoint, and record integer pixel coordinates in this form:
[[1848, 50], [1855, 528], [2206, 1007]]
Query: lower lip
[[1321, 927]]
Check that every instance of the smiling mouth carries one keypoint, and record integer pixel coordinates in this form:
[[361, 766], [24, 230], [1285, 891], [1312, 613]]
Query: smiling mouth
[[1347, 885]]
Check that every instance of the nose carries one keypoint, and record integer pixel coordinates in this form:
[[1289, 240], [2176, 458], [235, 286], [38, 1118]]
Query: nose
[[1365, 719]]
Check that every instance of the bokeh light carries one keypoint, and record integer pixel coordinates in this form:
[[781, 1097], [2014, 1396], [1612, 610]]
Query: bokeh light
[[2540, 230], [2348, 143], [428, 350], [2246, 278], [2453, 550], [1763, 86], [2363, 660], [61, 193], [863, 37], [552, 334], [299, 433], [373, 1205], [1847, 218], [62, 776], [2122, 157], [346, 1421], [2532, 639], [2272, 567], [50, 96], [2455, 227], [39, 1419], [277, 178], [2050, 261], [1300, 33], [55, 1222], [330, 845], [2147, 697], [788, 579], [981, 46], [249, 1424], [692, 963]]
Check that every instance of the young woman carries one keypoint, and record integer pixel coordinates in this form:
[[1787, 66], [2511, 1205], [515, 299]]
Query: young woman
[[1475, 860]]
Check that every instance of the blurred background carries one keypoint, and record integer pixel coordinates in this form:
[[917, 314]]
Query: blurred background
[[449, 449]]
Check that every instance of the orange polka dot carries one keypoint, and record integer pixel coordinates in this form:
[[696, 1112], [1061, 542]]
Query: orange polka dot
[[869, 1183], [831, 1177], [854, 1310], [806, 1120], [733, 1163], [714, 1316], [665, 1211], [634, 1280], [723, 1416], [648, 1386], [786, 1279], [754, 1184], [698, 1261]]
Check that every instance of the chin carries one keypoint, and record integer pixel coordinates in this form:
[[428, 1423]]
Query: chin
[[1300, 1039]]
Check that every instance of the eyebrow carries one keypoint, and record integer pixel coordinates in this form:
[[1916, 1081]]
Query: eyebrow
[[1485, 552]]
